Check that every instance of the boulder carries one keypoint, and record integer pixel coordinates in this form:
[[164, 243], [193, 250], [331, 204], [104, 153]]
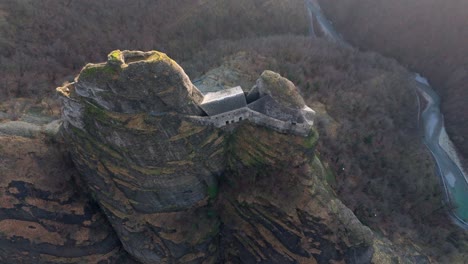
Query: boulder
[[281, 89]]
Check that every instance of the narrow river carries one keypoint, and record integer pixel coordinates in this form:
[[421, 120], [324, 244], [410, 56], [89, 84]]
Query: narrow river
[[454, 180]]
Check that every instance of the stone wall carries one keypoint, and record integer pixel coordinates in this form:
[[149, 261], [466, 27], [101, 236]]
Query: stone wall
[[302, 129], [246, 113], [225, 118]]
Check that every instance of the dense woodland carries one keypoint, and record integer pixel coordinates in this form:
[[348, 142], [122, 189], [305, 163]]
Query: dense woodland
[[379, 166], [43, 43], [369, 135], [428, 36]]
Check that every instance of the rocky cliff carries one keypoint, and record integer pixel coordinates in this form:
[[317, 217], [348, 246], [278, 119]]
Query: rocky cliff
[[179, 192], [149, 167], [45, 214]]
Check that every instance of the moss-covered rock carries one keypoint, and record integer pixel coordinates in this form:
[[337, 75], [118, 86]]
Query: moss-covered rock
[[151, 169], [275, 208], [135, 81], [281, 89], [177, 191]]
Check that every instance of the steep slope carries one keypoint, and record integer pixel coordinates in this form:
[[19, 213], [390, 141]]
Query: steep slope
[[369, 140], [276, 208], [149, 167], [430, 37], [178, 191]]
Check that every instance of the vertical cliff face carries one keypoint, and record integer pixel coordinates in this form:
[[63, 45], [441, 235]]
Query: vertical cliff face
[[149, 167], [176, 191], [275, 207]]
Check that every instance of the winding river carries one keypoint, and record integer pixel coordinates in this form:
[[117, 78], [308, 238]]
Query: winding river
[[454, 179]]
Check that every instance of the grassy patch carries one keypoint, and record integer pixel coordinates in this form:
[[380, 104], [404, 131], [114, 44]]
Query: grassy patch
[[330, 176], [101, 71], [213, 191], [312, 138], [159, 56], [95, 112]]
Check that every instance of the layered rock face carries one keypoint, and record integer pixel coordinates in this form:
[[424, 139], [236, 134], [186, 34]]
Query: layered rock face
[[275, 208], [44, 216], [177, 191], [149, 167]]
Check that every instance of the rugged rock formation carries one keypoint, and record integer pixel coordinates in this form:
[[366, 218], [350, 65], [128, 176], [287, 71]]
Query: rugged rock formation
[[45, 217], [233, 72], [281, 89], [151, 169], [177, 191], [135, 82]]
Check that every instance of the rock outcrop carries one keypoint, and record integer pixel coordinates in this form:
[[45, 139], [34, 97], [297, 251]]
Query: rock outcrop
[[151, 169], [134, 82], [44, 215], [281, 89], [177, 191]]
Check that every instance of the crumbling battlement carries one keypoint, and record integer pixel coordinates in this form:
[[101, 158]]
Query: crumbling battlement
[[273, 102], [245, 113]]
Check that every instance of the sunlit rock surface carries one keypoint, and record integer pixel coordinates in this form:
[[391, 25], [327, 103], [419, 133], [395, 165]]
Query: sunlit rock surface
[[176, 191], [149, 167]]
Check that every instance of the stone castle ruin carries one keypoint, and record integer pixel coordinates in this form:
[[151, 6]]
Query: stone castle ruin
[[273, 102], [160, 86]]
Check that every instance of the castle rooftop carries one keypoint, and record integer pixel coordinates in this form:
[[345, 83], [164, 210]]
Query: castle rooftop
[[223, 101]]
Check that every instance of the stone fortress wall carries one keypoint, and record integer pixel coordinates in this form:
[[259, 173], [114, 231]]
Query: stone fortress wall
[[245, 113], [273, 102]]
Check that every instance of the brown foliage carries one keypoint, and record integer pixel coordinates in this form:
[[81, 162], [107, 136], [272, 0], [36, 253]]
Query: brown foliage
[[383, 171], [429, 36], [42, 43], [384, 174]]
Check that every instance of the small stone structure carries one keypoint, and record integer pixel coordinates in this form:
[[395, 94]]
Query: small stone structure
[[230, 106], [223, 101]]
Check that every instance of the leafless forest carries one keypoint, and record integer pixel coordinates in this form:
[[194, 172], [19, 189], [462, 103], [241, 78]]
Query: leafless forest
[[428, 36], [44, 43], [377, 164]]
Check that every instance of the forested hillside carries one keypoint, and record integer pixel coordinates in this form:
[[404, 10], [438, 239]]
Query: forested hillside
[[374, 159], [369, 138], [429, 36], [43, 43]]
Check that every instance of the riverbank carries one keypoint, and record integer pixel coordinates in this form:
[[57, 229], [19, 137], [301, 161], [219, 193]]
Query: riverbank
[[444, 140], [444, 152], [436, 139], [446, 144]]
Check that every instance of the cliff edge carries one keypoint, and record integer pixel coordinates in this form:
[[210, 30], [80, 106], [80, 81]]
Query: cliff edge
[[179, 190]]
